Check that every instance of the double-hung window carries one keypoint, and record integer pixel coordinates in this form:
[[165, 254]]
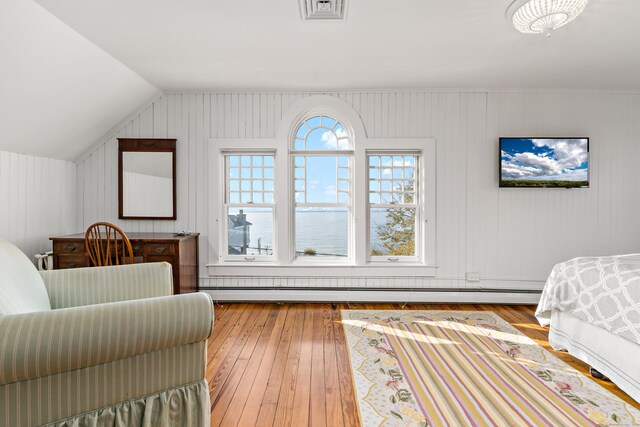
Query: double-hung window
[[394, 208], [321, 158], [321, 198], [249, 206]]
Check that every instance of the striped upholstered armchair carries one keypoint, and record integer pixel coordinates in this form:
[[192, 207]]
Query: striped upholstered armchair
[[100, 346]]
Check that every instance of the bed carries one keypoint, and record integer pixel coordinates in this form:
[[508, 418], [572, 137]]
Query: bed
[[592, 307]]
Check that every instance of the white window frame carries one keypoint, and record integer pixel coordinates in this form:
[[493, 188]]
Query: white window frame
[[283, 263], [218, 150], [415, 259], [227, 204], [425, 150], [293, 153]]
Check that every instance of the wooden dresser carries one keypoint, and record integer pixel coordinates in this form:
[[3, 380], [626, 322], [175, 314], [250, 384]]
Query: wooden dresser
[[179, 251]]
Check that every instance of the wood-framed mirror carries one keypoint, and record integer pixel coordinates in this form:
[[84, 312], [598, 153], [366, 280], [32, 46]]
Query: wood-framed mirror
[[146, 178]]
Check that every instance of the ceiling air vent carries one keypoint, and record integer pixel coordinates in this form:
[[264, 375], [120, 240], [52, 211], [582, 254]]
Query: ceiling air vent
[[322, 10]]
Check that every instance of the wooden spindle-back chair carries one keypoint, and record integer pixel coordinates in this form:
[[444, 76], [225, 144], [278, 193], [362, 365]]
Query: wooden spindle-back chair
[[107, 244]]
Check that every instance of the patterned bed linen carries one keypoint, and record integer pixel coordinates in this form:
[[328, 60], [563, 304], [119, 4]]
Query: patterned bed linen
[[604, 291]]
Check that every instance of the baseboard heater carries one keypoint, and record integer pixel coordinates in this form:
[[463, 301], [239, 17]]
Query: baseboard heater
[[399, 295]]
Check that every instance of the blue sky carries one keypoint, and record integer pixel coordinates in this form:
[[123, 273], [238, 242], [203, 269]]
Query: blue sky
[[321, 178], [321, 183], [545, 159]]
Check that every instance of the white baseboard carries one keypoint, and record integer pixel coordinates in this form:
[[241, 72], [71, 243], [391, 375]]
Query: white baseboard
[[391, 296], [370, 283]]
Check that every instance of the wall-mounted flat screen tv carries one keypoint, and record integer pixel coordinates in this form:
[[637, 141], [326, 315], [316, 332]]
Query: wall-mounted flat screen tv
[[544, 162]]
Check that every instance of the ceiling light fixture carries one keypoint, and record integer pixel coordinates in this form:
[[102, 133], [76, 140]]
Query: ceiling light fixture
[[543, 16]]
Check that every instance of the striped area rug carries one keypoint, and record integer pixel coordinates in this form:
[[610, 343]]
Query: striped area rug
[[467, 368]]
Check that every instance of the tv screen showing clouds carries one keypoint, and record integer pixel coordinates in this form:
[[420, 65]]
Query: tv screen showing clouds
[[544, 162]]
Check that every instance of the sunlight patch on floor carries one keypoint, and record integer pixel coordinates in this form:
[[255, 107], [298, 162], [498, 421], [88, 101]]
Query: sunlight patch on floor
[[374, 329], [478, 330], [371, 330]]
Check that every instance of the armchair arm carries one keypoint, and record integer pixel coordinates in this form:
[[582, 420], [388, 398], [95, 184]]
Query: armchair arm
[[98, 285], [45, 343]]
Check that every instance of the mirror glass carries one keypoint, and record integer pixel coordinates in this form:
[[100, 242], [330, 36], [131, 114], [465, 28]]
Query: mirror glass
[[147, 182]]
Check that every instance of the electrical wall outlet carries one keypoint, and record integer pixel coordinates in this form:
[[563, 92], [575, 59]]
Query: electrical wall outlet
[[473, 277]]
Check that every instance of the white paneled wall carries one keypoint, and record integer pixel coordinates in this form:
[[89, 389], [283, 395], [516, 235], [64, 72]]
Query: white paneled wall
[[511, 237], [37, 200]]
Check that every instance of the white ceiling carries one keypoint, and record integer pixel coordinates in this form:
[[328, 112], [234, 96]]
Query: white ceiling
[[263, 44], [59, 93]]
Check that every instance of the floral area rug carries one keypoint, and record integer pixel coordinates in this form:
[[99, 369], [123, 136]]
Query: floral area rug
[[467, 368]]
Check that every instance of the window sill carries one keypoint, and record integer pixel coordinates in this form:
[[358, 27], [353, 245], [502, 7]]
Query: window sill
[[378, 269]]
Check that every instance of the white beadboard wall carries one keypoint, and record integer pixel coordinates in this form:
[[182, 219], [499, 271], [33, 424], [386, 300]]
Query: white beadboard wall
[[37, 200], [511, 237]]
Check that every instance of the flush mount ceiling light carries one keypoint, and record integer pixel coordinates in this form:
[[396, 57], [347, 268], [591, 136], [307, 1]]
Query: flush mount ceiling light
[[543, 16], [322, 10]]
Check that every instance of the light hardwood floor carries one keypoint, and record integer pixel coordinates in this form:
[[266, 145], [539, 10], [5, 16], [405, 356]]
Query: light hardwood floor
[[287, 364]]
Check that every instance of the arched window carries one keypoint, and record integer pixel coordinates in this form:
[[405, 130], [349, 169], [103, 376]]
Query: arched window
[[322, 195], [321, 132], [322, 159]]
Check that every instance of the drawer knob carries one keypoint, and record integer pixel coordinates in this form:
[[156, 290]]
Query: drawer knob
[[71, 248], [160, 250], [136, 248], [72, 264]]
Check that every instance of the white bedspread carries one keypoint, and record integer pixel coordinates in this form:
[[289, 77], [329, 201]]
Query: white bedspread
[[604, 291]]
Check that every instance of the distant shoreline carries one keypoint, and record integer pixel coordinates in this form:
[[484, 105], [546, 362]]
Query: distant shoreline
[[543, 183]]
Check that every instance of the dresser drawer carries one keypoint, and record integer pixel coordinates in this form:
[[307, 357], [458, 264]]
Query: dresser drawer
[[70, 261], [159, 249], [137, 248], [69, 247]]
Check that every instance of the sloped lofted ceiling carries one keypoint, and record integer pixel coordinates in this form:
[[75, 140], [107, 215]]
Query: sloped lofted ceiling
[[72, 71], [257, 44], [59, 92]]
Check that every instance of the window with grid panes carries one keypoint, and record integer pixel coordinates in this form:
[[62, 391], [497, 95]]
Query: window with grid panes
[[323, 199], [322, 158], [393, 207], [249, 206]]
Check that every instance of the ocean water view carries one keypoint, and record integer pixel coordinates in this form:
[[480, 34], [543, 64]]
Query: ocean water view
[[324, 231]]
